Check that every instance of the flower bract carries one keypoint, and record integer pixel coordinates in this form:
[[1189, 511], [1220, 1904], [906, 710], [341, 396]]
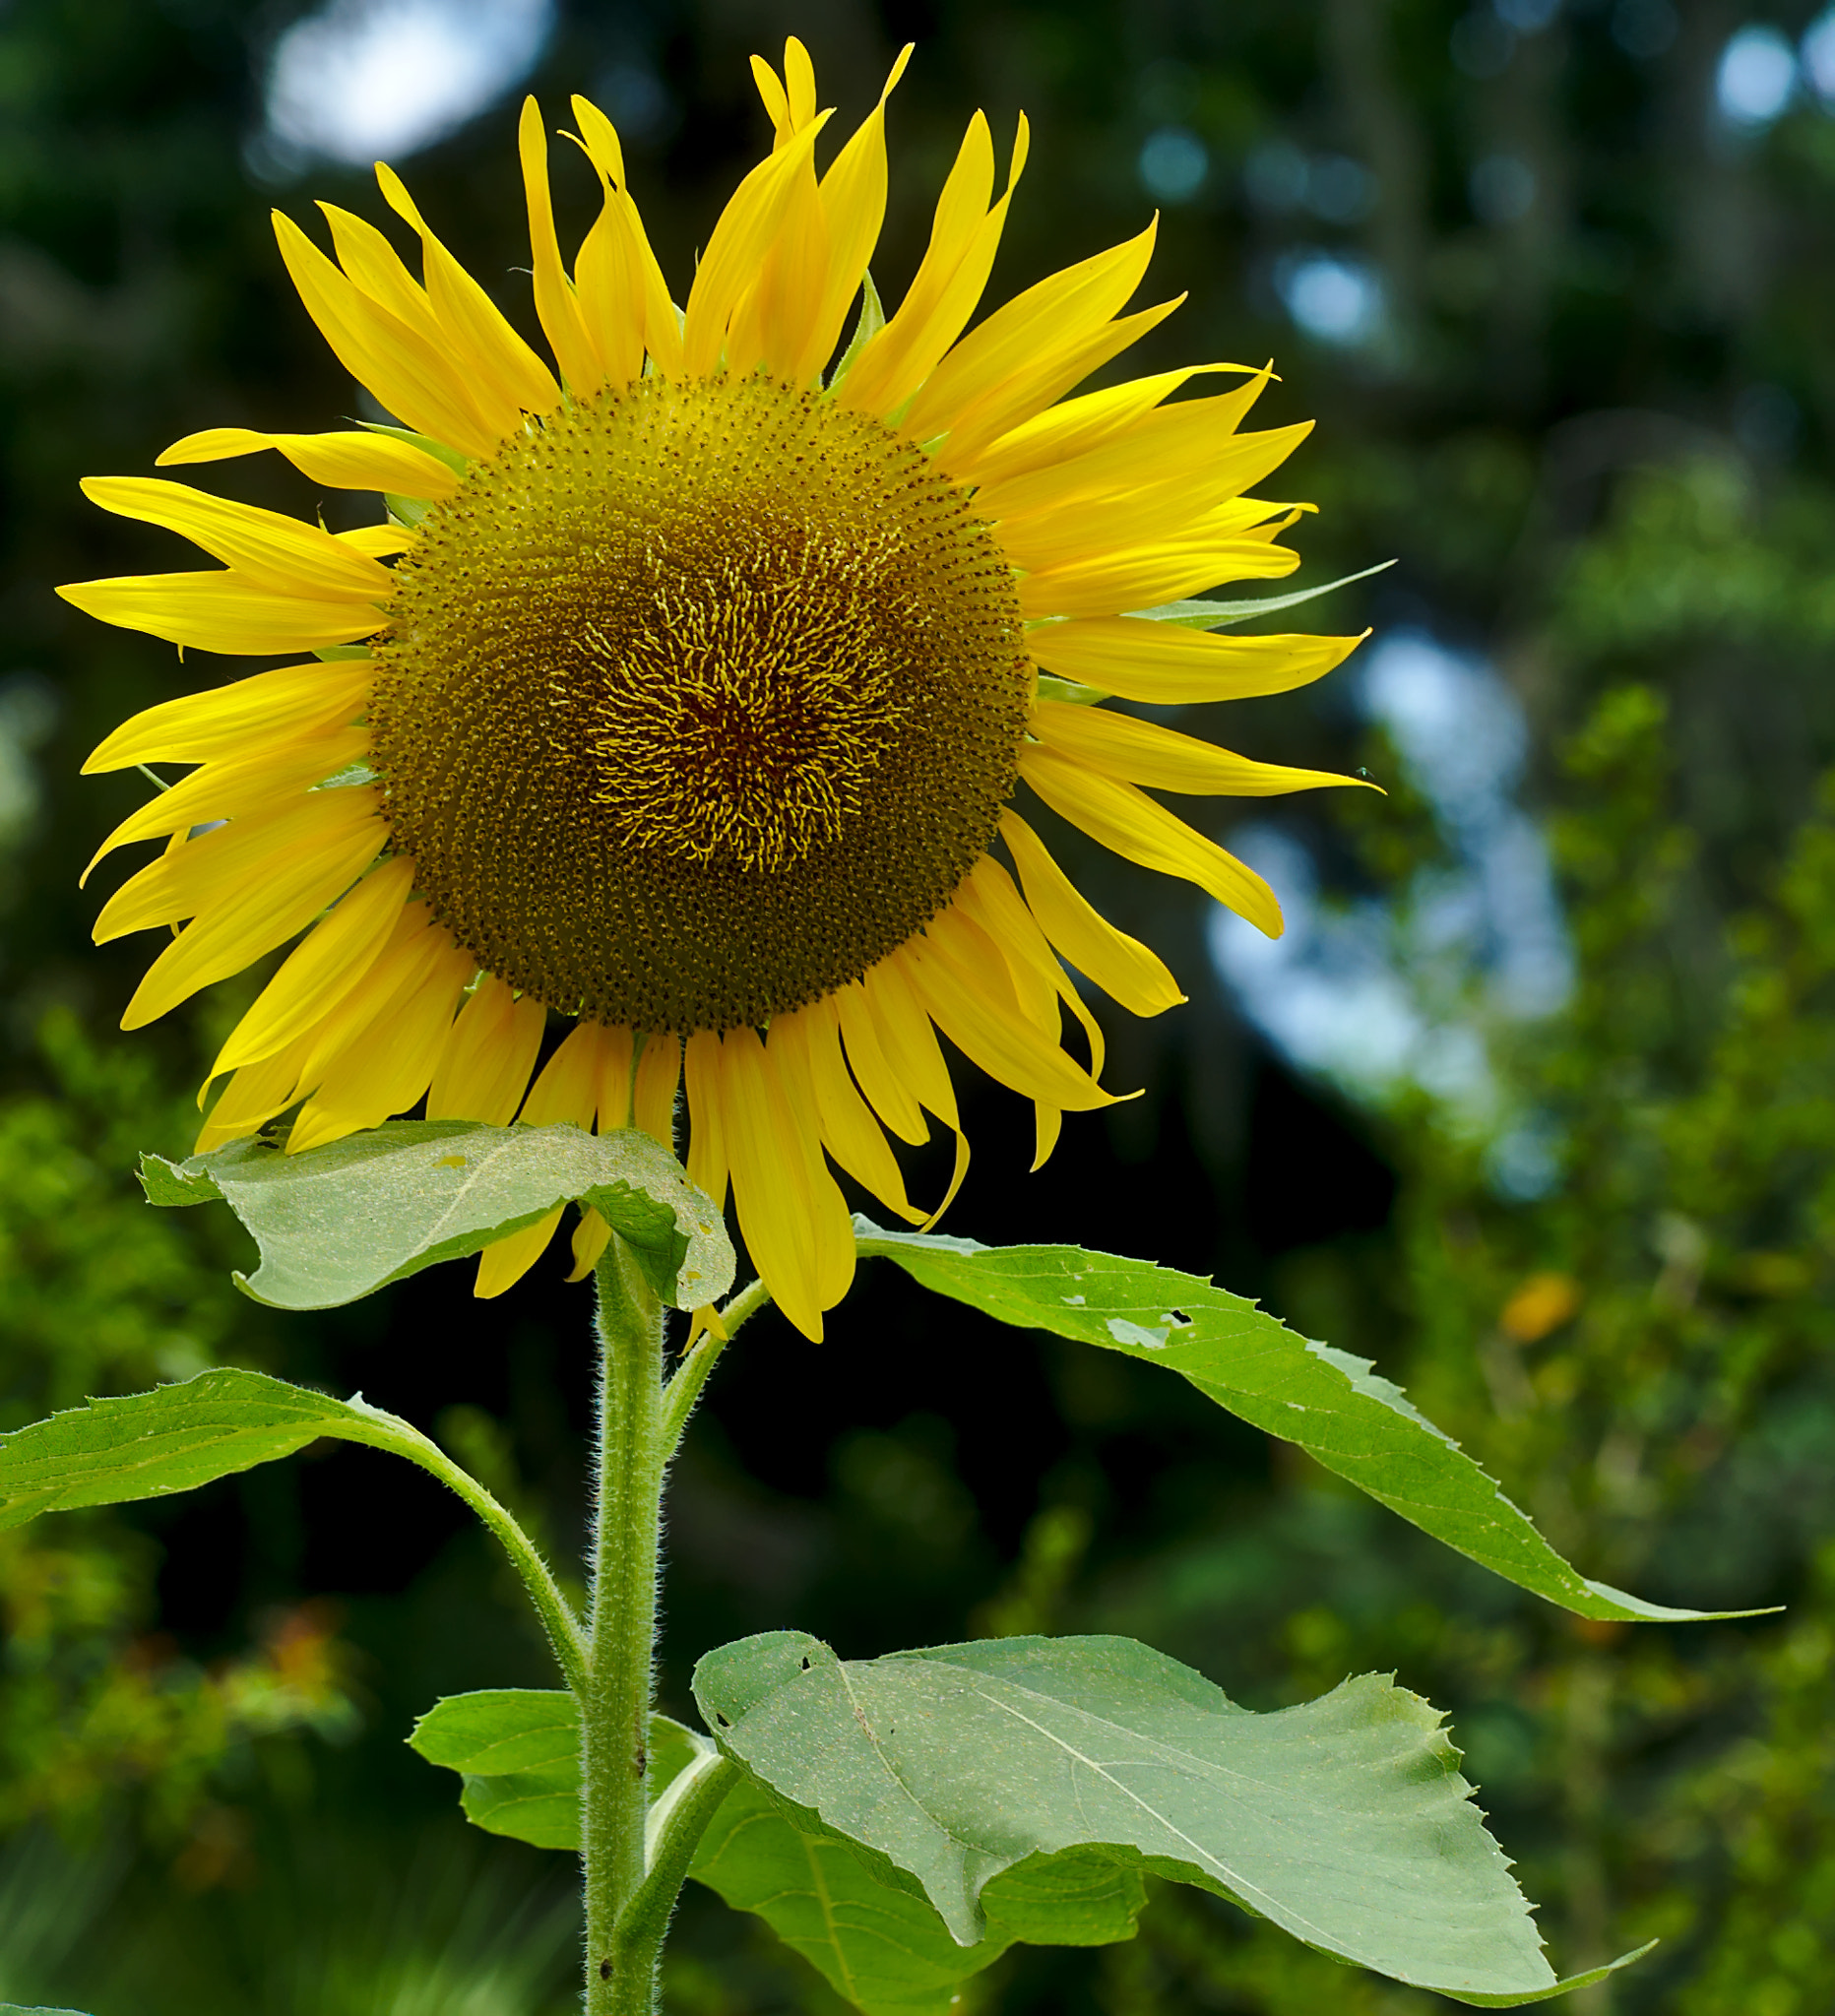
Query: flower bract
[[688, 695]]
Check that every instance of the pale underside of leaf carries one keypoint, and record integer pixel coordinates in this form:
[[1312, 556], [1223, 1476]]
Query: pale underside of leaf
[[338, 1222]]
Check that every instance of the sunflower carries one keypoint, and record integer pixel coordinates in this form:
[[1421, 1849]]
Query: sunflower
[[686, 689]]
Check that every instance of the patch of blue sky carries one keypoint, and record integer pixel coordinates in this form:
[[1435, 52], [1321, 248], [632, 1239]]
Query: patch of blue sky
[[1382, 992]]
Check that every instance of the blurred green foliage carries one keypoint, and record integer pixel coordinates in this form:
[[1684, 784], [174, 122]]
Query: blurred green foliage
[[1596, 434]]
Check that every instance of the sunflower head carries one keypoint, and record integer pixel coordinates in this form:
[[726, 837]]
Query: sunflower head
[[685, 701]]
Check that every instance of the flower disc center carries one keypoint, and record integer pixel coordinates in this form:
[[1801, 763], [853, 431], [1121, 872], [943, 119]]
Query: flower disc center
[[697, 701]]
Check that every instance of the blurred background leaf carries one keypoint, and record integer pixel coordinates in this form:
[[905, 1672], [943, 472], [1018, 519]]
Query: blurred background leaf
[[1532, 1105]]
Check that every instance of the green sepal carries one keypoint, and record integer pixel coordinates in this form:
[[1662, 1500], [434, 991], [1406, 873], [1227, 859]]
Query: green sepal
[[454, 460], [1220, 616], [867, 325]]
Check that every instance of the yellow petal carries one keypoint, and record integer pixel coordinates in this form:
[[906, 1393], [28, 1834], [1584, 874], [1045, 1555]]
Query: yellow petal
[[568, 1086], [808, 1044], [774, 322], [322, 970], [255, 917], [1052, 314], [399, 363], [483, 1070], [707, 1128], [591, 1235], [253, 1097], [502, 1264], [907, 1039], [659, 1073], [965, 234], [1143, 577], [507, 371], [343, 461], [949, 967], [416, 948], [1127, 820], [1123, 967], [368, 1082], [885, 1091], [1168, 665], [737, 248], [795, 1225], [609, 289], [379, 541], [776, 101], [1143, 752], [910, 1045], [254, 778], [1078, 425], [663, 324], [1047, 1124], [562, 320], [1184, 451], [222, 612], [1045, 377], [988, 897], [798, 84], [854, 204], [269, 708], [203, 873]]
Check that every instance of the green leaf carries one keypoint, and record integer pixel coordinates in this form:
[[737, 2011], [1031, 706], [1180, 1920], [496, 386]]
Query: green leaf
[[17, 2009], [1220, 616], [1343, 1820], [148, 1445], [341, 1221], [884, 1949], [519, 1750], [1345, 1415], [875, 1939]]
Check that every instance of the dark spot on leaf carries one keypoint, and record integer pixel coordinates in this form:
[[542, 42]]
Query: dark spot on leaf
[[605, 1969]]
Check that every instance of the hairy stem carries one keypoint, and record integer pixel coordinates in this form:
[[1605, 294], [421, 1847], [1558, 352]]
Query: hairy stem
[[615, 1697], [551, 1607], [684, 1386]]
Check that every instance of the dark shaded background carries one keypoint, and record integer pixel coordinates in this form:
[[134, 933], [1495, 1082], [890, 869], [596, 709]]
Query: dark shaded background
[[1593, 424]]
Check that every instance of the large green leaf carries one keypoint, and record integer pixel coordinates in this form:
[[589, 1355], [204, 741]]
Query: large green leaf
[[874, 1937], [1343, 1820], [886, 1950], [148, 1445], [1344, 1414], [340, 1221]]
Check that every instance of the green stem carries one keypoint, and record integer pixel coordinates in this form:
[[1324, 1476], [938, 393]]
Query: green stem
[[677, 1821], [684, 1387], [556, 1613], [635, 1859], [615, 1699]]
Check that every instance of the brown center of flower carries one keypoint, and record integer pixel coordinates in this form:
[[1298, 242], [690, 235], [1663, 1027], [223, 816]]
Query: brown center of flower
[[696, 701]]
